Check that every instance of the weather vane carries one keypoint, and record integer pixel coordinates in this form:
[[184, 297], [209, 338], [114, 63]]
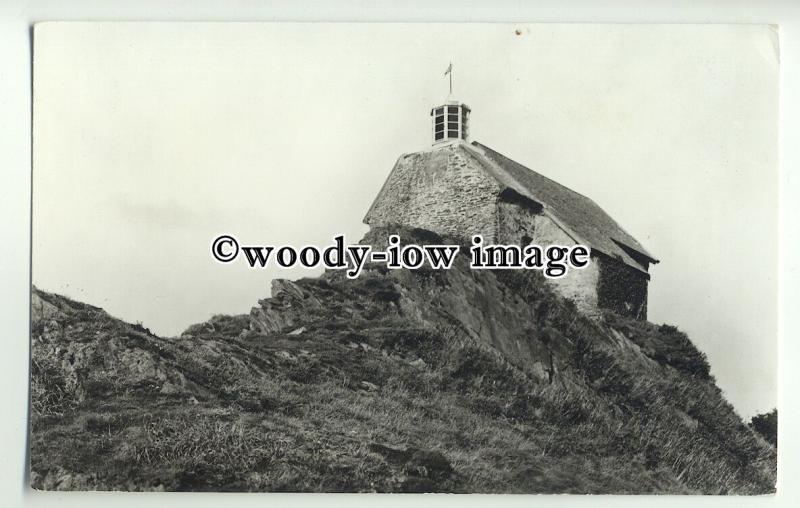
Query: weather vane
[[449, 72]]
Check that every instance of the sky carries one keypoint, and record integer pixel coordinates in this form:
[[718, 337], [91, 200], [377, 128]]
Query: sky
[[151, 139]]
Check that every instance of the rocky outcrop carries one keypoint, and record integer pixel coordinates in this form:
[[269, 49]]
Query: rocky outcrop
[[501, 309], [88, 354], [398, 381]]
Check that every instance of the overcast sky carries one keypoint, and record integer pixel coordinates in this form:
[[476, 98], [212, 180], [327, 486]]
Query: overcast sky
[[152, 139]]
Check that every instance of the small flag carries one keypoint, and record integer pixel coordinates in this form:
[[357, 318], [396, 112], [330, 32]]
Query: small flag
[[449, 69]]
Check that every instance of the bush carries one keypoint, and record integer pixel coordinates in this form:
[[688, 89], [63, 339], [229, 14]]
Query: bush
[[766, 424]]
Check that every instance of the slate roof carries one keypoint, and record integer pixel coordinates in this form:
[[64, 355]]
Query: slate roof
[[578, 215]]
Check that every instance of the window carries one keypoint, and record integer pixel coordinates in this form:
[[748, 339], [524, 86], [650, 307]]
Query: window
[[450, 122]]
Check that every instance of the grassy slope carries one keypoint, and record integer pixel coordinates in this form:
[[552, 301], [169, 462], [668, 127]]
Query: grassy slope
[[367, 397]]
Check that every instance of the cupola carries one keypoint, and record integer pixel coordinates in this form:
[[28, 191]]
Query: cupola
[[450, 122]]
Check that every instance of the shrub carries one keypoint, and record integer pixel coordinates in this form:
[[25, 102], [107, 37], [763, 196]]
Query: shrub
[[766, 424]]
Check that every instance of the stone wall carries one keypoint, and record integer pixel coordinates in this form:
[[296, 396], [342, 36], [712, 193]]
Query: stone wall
[[448, 192], [622, 288], [441, 190], [517, 223]]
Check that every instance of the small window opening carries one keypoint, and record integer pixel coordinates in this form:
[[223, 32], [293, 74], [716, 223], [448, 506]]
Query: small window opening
[[450, 122]]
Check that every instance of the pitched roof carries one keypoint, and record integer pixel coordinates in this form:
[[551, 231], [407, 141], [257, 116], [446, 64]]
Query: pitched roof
[[575, 213]]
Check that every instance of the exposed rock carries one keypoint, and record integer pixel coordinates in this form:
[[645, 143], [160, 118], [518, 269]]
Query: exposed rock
[[370, 387], [286, 306], [496, 380]]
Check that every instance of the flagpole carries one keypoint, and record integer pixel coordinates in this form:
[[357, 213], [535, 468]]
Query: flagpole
[[449, 74]]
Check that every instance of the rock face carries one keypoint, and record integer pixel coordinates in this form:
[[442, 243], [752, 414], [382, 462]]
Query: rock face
[[398, 381], [93, 353]]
